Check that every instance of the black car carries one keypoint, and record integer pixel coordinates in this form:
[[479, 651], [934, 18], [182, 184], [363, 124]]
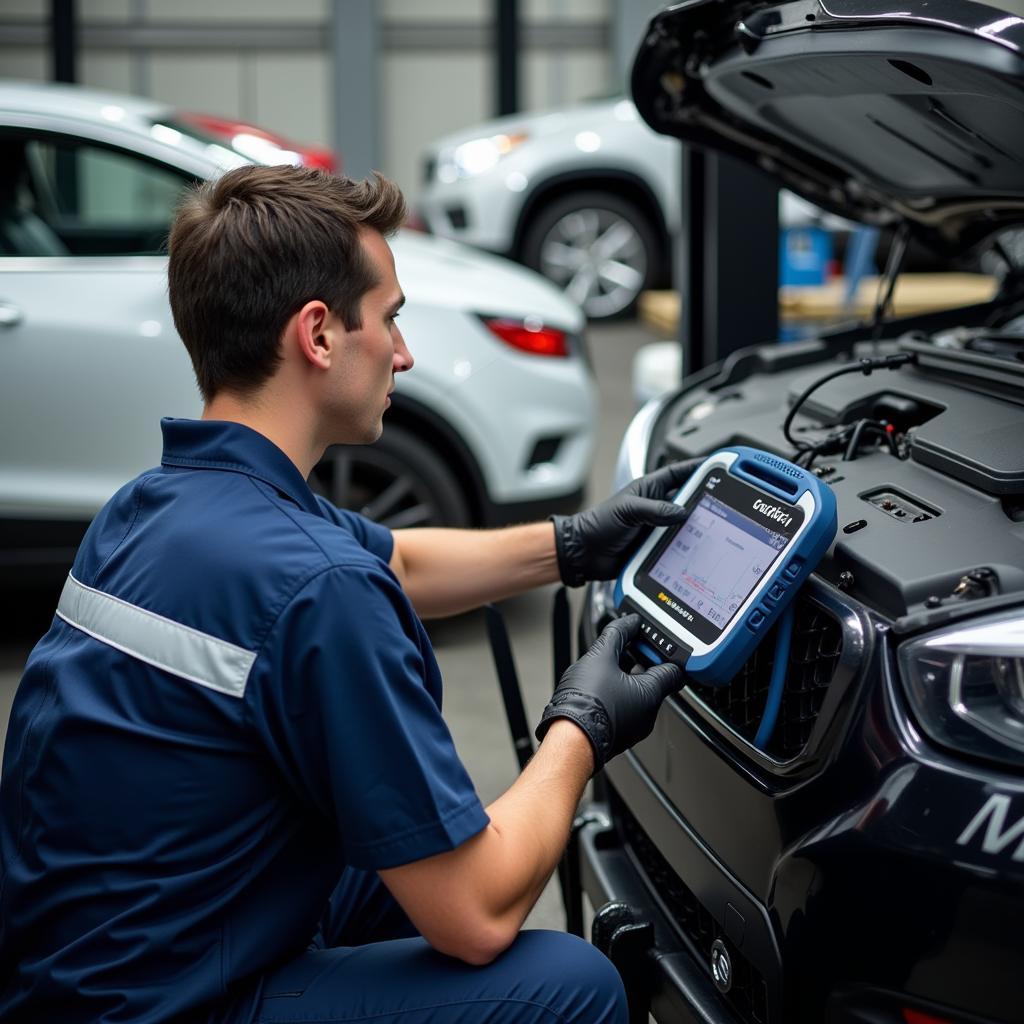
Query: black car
[[865, 863]]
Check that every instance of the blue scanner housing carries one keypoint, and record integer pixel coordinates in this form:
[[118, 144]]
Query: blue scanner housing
[[709, 590]]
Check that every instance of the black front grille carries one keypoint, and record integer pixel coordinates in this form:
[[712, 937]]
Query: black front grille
[[748, 995], [813, 657]]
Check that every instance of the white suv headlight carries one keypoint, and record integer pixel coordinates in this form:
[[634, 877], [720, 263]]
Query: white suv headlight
[[476, 156], [966, 686]]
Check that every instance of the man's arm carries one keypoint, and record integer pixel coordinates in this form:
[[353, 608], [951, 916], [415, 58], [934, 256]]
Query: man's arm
[[471, 902], [449, 571], [445, 572]]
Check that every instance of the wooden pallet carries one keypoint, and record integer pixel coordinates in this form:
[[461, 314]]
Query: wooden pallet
[[915, 294]]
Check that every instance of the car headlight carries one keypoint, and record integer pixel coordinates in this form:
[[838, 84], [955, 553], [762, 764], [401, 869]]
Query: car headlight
[[631, 460], [966, 686], [476, 156], [630, 463], [601, 604]]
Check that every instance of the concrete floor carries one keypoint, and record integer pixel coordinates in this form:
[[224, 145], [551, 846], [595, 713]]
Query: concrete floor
[[473, 704]]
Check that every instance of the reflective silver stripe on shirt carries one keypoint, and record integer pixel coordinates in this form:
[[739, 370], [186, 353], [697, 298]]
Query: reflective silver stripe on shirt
[[157, 641]]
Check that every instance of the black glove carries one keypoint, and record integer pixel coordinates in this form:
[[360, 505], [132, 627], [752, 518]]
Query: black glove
[[595, 544], [615, 709]]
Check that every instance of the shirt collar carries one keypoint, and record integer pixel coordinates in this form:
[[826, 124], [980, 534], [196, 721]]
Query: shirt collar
[[221, 444]]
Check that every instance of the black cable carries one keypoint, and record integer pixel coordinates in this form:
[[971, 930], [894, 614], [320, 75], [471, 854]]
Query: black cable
[[893, 263], [853, 446], [806, 459], [867, 366], [834, 442], [788, 421], [830, 445]]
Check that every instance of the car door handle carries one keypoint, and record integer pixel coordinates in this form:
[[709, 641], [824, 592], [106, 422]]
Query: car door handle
[[10, 316]]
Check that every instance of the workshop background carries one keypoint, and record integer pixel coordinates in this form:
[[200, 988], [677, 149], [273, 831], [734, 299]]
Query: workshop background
[[376, 81]]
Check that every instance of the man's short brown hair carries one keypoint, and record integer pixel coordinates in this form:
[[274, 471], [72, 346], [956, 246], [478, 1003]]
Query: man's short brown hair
[[250, 249]]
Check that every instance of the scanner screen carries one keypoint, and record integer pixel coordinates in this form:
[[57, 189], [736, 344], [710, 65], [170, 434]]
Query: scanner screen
[[716, 559]]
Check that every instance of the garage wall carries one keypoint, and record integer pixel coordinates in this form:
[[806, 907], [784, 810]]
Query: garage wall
[[270, 63]]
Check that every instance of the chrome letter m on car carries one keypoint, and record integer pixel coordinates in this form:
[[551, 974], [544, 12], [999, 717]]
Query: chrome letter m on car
[[996, 839]]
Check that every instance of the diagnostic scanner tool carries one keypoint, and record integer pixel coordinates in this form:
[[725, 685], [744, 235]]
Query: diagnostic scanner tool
[[709, 589]]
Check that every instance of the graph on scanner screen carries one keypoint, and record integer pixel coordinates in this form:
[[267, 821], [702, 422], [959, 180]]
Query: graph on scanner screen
[[716, 559]]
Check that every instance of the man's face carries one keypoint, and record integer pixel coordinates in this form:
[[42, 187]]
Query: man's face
[[372, 354]]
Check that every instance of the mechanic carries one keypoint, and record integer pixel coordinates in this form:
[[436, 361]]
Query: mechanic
[[228, 793]]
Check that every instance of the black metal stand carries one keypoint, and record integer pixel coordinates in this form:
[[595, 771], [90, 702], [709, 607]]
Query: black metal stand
[[561, 633], [506, 47], [569, 866], [571, 880], [727, 258], [515, 711], [62, 40], [508, 680]]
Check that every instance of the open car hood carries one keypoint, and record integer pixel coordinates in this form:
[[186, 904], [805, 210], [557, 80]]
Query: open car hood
[[876, 111]]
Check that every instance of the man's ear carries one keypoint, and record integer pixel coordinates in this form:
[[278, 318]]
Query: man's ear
[[313, 329]]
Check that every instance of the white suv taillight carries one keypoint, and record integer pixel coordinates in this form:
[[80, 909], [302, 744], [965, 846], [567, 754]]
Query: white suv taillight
[[529, 335]]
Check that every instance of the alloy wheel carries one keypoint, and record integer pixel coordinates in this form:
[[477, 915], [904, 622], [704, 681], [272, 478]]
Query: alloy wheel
[[598, 258]]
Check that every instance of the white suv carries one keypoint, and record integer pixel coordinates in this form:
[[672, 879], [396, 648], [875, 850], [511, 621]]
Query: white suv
[[494, 424], [587, 195]]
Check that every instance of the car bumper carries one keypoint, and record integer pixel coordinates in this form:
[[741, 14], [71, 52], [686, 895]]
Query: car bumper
[[858, 894], [676, 986], [529, 425], [478, 211]]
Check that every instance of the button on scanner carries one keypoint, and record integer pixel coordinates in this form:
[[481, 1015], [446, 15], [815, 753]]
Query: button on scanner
[[755, 620]]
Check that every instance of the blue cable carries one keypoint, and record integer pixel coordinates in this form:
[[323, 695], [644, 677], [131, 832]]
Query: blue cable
[[783, 639]]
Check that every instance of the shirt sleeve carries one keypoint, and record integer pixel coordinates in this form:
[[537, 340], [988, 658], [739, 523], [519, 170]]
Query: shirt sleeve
[[375, 538], [339, 695]]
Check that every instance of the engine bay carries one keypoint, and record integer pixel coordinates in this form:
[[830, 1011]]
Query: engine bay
[[920, 437]]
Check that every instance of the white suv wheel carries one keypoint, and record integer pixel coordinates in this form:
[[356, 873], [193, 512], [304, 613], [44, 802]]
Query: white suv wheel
[[599, 249], [398, 481]]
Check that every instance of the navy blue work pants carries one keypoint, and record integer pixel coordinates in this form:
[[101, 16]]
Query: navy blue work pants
[[367, 963]]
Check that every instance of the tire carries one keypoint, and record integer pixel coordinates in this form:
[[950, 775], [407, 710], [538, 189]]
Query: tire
[[602, 251], [398, 481]]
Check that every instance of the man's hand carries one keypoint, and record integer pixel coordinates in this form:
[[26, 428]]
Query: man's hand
[[595, 544], [614, 709]]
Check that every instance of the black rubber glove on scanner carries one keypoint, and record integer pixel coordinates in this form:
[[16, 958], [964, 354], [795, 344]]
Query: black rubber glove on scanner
[[595, 544], [615, 709]]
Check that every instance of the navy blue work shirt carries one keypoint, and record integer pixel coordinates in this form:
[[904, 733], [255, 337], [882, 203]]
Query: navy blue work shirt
[[235, 701]]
